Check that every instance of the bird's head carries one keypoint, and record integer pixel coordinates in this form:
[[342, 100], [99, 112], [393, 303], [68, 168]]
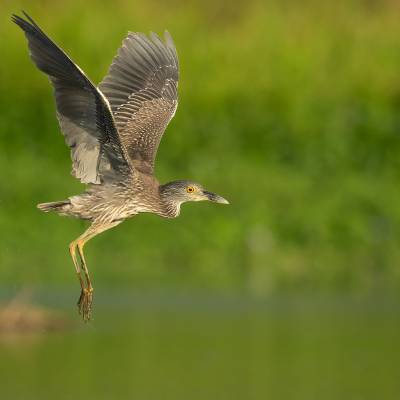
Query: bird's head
[[178, 192]]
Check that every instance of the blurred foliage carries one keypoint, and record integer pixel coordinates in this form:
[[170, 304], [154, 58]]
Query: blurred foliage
[[288, 109]]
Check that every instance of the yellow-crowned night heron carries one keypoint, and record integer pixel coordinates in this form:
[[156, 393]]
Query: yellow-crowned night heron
[[114, 131]]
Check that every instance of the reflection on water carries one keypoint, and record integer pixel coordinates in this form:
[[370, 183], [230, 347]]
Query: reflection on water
[[163, 346]]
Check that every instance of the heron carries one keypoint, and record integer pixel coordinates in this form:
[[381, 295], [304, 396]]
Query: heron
[[113, 131]]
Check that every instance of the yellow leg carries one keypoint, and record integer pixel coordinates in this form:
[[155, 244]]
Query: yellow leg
[[86, 298], [81, 243], [72, 251]]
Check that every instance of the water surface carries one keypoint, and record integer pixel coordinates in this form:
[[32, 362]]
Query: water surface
[[164, 346]]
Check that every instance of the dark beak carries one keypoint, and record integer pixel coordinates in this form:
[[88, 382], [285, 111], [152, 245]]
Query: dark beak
[[215, 198]]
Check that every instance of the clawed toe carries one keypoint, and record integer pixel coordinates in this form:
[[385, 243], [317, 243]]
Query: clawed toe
[[85, 303]]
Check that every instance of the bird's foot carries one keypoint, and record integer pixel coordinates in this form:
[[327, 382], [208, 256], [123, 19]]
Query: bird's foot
[[85, 303]]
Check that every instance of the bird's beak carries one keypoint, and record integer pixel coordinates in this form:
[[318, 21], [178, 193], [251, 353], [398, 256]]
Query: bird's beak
[[215, 198]]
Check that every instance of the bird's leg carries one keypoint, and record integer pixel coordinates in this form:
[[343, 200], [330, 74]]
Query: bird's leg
[[86, 298], [81, 243], [72, 251], [83, 299]]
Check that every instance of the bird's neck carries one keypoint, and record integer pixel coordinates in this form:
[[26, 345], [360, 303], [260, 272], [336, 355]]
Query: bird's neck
[[170, 209]]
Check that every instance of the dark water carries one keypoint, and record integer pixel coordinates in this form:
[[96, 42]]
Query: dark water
[[160, 346]]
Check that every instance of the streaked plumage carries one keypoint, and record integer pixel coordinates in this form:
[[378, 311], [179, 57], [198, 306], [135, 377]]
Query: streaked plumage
[[114, 131]]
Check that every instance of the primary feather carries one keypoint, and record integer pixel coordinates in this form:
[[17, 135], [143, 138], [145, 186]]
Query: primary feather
[[141, 87], [83, 112]]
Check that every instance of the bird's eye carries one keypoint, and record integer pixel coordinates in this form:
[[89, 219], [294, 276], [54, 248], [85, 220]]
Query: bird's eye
[[190, 189]]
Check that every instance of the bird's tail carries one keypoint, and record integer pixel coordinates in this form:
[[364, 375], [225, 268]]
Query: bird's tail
[[57, 206]]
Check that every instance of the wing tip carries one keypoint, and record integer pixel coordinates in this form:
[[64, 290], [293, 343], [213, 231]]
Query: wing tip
[[154, 37], [167, 35], [169, 41], [27, 25], [17, 19]]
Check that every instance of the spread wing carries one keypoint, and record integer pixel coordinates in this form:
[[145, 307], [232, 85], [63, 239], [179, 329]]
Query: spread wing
[[141, 87], [83, 112]]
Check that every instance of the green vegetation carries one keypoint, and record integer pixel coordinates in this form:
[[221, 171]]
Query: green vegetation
[[290, 110]]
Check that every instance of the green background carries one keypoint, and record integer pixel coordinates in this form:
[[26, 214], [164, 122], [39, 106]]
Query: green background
[[290, 110]]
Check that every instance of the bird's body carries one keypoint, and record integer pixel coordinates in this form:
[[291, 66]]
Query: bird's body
[[114, 131], [114, 202]]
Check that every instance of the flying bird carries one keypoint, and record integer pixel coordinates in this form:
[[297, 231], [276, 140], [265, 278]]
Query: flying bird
[[113, 131]]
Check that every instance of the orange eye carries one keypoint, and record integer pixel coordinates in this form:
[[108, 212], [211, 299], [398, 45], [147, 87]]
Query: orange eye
[[190, 189]]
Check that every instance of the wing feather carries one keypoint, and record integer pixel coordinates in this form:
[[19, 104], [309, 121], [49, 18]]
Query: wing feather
[[83, 112], [141, 86]]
